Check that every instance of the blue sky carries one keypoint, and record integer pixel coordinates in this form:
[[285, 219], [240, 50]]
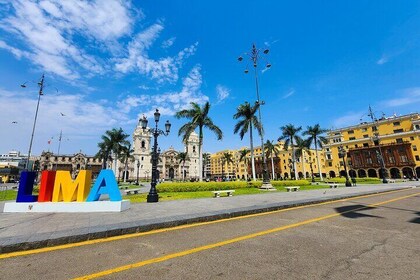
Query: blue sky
[[108, 62]]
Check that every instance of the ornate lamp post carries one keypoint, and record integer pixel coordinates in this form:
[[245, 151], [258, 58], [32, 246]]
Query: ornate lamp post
[[138, 169], [153, 195], [40, 92], [254, 57], [342, 154]]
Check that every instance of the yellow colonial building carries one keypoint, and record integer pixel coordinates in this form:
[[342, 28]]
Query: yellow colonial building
[[280, 166], [394, 139]]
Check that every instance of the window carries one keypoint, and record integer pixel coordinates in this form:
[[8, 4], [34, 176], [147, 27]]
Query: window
[[365, 136], [355, 145], [412, 138], [143, 144], [352, 138], [193, 149], [329, 157], [399, 140], [398, 130], [418, 158], [374, 128], [364, 129], [330, 164], [365, 145], [350, 132], [396, 123], [415, 148]]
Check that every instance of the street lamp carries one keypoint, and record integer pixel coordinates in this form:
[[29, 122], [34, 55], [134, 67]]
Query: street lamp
[[254, 56], [138, 168], [153, 195], [342, 154], [375, 140], [40, 92]]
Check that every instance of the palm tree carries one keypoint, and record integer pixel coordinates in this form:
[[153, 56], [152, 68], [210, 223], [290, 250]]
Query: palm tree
[[226, 158], [271, 150], [315, 137], [289, 133], [243, 156], [198, 117], [182, 157], [112, 141], [125, 156], [247, 119], [302, 146]]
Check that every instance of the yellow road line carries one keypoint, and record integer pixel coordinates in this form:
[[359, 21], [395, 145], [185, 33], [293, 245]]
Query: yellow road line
[[138, 234], [230, 241]]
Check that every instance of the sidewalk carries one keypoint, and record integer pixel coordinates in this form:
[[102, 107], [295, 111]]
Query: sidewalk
[[22, 231]]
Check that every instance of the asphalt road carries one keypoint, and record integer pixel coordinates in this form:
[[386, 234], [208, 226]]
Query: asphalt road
[[371, 237]]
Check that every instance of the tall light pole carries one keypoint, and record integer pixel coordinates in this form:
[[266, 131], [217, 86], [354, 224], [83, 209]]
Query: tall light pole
[[342, 154], [40, 92], [153, 195], [254, 56], [138, 169], [375, 140]]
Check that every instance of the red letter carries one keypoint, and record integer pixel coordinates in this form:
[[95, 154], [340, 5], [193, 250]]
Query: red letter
[[47, 186]]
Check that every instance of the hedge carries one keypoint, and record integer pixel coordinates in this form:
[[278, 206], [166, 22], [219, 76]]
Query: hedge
[[360, 180], [212, 186]]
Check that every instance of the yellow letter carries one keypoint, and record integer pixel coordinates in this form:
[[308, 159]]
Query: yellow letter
[[65, 189]]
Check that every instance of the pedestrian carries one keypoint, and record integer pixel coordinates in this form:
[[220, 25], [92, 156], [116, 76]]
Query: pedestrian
[[353, 180]]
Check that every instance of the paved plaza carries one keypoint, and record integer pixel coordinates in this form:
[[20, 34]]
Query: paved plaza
[[33, 230]]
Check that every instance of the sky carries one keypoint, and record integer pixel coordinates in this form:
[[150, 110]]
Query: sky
[[106, 63]]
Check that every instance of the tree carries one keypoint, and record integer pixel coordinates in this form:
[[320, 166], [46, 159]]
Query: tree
[[112, 142], [271, 150], [125, 156], [199, 118], [247, 120], [243, 156], [182, 157], [315, 137], [302, 146], [226, 158], [289, 135]]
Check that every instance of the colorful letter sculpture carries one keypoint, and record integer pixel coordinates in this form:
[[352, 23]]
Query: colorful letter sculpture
[[26, 186], [105, 184]]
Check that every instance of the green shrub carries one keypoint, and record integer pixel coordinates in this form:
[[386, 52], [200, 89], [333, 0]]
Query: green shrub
[[359, 180], [205, 186], [290, 183]]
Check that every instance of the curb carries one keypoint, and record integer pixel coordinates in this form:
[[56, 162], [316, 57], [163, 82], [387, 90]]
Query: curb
[[23, 246]]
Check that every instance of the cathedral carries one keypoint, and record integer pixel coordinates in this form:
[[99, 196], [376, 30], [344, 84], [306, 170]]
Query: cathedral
[[169, 167]]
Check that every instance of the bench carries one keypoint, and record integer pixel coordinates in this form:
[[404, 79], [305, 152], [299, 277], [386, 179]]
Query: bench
[[332, 185], [131, 191], [292, 189], [228, 193]]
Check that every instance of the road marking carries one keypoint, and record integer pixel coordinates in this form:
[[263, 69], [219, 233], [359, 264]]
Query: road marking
[[138, 234], [230, 241]]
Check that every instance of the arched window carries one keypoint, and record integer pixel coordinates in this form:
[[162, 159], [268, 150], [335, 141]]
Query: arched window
[[193, 149], [143, 144]]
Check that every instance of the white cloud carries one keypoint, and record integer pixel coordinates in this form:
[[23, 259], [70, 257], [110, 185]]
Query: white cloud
[[170, 102], [384, 59], [222, 93], [162, 69], [351, 118], [45, 32], [289, 93], [408, 97], [168, 43], [83, 119]]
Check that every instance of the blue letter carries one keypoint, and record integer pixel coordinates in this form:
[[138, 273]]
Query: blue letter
[[26, 185], [105, 184]]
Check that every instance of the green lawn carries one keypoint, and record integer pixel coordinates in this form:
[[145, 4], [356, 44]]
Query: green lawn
[[166, 196], [8, 195]]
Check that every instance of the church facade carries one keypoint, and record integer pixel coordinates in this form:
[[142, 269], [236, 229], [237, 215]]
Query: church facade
[[169, 166]]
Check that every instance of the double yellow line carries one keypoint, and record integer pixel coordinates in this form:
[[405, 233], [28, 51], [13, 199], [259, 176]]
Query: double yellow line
[[234, 240]]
